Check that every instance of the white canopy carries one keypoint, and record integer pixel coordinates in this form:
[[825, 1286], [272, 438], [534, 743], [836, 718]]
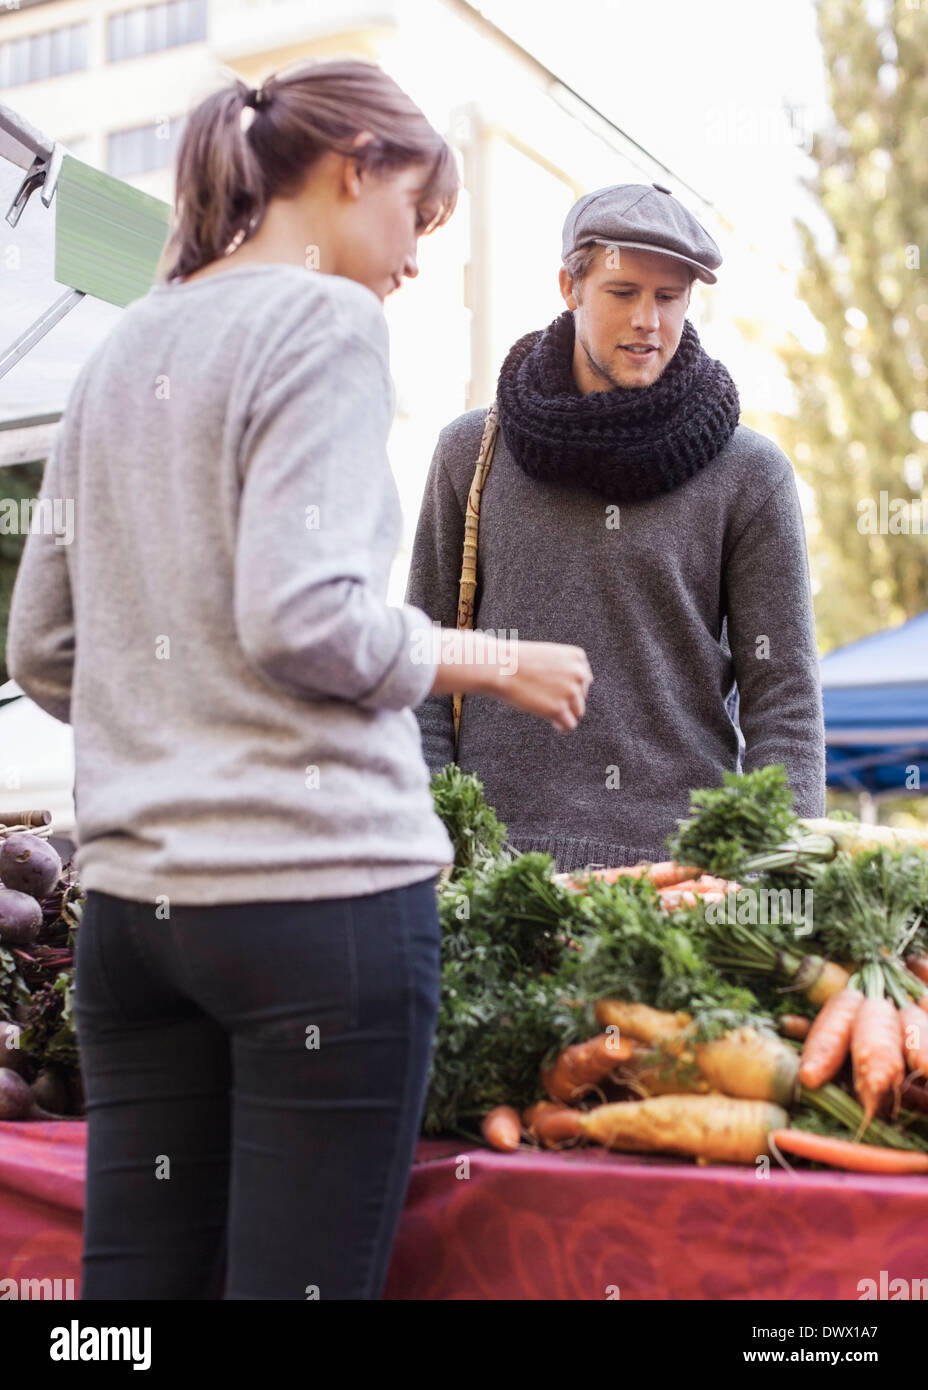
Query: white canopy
[[36, 761]]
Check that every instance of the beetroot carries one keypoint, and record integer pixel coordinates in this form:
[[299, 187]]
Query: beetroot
[[29, 864], [15, 1097], [50, 1091], [20, 918]]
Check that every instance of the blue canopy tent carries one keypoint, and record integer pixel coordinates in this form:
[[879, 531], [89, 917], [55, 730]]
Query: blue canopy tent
[[875, 695]]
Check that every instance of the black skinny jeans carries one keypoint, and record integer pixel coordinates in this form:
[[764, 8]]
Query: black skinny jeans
[[254, 1078]]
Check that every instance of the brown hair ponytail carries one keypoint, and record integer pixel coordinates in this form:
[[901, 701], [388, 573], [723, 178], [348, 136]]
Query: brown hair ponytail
[[227, 170]]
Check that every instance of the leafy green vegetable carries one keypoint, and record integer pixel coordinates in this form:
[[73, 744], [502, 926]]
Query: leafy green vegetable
[[630, 948], [13, 989], [748, 815], [516, 904], [524, 959], [477, 834], [841, 1115], [866, 906], [48, 1029], [503, 1007]]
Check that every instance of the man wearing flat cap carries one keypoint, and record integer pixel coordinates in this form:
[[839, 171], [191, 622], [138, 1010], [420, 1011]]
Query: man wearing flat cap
[[626, 511]]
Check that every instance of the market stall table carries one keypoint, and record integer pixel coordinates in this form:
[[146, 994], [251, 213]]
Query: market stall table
[[540, 1225]]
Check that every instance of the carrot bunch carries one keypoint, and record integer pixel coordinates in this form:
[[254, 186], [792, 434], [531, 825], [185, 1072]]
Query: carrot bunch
[[662, 875], [678, 885], [881, 1038], [720, 1098], [704, 888]]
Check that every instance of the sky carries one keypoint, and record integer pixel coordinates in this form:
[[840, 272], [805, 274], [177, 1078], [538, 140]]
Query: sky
[[702, 86], [705, 87]]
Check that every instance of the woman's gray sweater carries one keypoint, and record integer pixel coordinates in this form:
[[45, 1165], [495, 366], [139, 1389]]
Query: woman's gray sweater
[[674, 599], [217, 629]]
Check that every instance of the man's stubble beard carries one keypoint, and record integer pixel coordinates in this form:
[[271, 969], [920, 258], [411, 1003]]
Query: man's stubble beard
[[605, 375]]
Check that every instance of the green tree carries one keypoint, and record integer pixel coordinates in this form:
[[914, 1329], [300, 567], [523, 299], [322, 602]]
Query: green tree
[[861, 426], [22, 481]]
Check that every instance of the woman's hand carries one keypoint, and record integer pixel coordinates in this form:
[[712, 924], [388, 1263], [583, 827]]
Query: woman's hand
[[548, 679]]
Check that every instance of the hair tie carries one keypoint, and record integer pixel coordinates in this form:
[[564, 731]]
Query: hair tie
[[257, 98]]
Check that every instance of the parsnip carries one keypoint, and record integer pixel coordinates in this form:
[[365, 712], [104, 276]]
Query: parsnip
[[855, 837], [639, 1021], [711, 1127], [743, 1063]]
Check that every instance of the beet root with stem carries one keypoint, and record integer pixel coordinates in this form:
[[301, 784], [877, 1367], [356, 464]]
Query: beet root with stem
[[29, 864]]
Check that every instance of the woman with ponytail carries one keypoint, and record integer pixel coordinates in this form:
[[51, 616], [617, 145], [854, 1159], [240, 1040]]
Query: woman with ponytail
[[257, 965]]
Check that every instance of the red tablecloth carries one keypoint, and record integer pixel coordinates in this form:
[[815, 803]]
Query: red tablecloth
[[533, 1225]]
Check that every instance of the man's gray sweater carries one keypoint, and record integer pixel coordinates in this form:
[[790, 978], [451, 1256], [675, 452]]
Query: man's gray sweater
[[674, 599]]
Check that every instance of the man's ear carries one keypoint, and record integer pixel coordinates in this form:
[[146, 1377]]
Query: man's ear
[[567, 288]]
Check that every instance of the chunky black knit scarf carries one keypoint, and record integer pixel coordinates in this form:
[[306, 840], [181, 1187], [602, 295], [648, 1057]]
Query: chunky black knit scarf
[[626, 444]]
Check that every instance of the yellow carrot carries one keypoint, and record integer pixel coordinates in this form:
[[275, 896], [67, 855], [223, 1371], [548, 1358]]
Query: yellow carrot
[[751, 1065], [818, 979], [743, 1063], [711, 1127], [639, 1021]]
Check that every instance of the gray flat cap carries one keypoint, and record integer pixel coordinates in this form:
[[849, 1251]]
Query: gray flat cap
[[643, 217]]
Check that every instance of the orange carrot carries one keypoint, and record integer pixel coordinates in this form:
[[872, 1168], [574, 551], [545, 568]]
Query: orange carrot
[[621, 871], [661, 875], [702, 887], [829, 1038], [794, 1026], [670, 898], [539, 1107], [704, 883], [667, 873], [845, 1153], [558, 1126], [915, 1038], [918, 965], [709, 883], [579, 1068], [876, 1051], [502, 1128]]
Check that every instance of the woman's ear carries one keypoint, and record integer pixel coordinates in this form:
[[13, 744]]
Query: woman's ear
[[567, 287], [352, 170]]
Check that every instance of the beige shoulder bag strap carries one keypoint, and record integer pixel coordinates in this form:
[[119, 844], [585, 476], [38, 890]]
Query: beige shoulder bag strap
[[468, 586]]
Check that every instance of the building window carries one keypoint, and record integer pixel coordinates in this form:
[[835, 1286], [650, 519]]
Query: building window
[[143, 148], [79, 146], [153, 27], [34, 57]]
